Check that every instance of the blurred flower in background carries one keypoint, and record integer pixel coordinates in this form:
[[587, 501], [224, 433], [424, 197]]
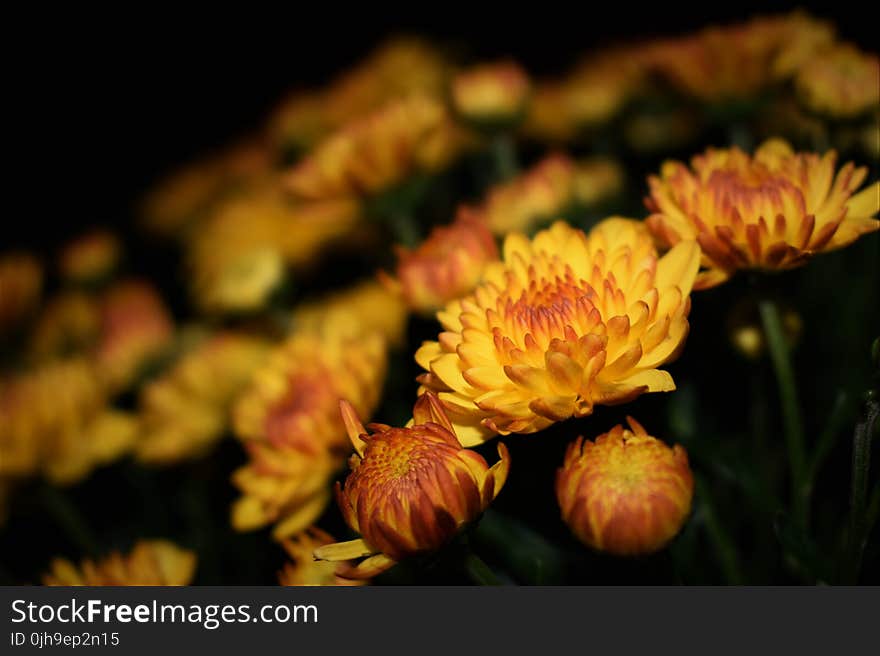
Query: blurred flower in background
[[491, 95], [21, 282], [90, 258], [841, 83], [150, 562]]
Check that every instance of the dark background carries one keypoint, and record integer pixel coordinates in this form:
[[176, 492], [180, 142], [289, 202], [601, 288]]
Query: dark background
[[102, 105]]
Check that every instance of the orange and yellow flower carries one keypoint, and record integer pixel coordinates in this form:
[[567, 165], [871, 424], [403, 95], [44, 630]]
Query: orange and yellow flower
[[564, 322], [373, 153], [304, 570], [411, 490], [841, 83], [90, 257], [446, 266], [491, 94], [289, 421], [21, 282], [150, 562], [626, 493], [185, 411], [768, 211], [68, 323], [136, 328]]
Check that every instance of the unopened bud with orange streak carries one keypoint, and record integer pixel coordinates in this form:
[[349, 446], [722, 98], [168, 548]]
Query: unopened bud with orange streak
[[626, 493]]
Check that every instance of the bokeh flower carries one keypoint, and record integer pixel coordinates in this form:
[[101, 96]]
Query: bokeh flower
[[769, 211], [150, 562], [21, 283], [185, 410], [90, 258], [566, 321], [136, 328], [67, 324], [626, 493], [373, 153], [410, 490], [289, 422], [304, 570], [491, 94], [364, 307], [842, 83], [446, 266]]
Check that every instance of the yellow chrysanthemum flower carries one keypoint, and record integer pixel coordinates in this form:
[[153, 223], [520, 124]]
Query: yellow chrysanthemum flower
[[150, 562], [626, 493], [289, 421], [376, 152], [566, 321], [491, 94], [90, 257], [771, 210], [21, 282], [364, 307], [305, 570], [136, 328], [186, 410], [410, 490], [842, 83], [446, 266]]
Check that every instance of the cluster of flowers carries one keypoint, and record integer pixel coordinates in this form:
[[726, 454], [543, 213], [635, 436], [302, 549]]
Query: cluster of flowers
[[540, 330]]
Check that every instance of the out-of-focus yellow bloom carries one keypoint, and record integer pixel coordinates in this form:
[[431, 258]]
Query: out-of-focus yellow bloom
[[411, 490], [21, 282], [376, 152], [63, 435], [842, 83], [772, 210], [540, 193], [150, 562], [305, 570], [135, 329], [69, 323], [736, 62], [290, 423], [90, 257], [398, 68], [185, 411], [627, 493], [746, 333], [239, 256], [445, 266], [566, 321], [365, 307], [596, 179], [590, 96], [491, 94], [178, 202]]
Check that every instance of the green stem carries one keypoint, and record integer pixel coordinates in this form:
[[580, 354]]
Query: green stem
[[504, 154], [404, 229], [791, 415], [727, 555], [479, 571], [69, 518], [861, 462]]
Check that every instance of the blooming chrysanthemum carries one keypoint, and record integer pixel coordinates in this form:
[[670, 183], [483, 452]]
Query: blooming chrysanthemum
[[842, 83], [289, 421], [411, 490], [566, 321], [364, 307], [376, 152], [150, 562], [68, 323], [542, 192], [446, 266], [491, 94], [398, 68], [771, 210], [185, 411], [304, 570], [90, 257], [626, 493], [21, 282]]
